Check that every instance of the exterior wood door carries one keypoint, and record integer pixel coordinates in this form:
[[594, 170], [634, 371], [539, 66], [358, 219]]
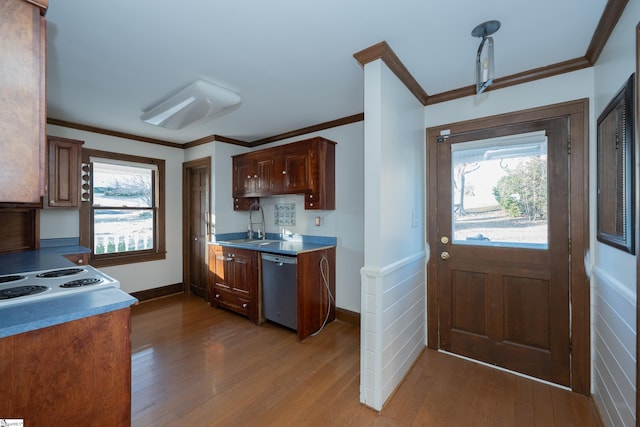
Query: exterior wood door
[[503, 296], [196, 206]]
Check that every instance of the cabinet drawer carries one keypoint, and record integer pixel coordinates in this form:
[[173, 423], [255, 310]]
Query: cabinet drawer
[[312, 201], [78, 259], [225, 298], [244, 203]]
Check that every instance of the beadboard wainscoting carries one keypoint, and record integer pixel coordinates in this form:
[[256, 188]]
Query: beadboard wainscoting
[[614, 358], [394, 321]]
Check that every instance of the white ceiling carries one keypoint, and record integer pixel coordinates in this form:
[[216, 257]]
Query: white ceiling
[[291, 61]]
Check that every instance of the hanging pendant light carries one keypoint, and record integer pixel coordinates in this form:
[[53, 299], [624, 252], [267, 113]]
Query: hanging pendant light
[[484, 57]]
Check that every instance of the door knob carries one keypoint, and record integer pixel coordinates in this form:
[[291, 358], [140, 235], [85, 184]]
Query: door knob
[[444, 239], [444, 255]]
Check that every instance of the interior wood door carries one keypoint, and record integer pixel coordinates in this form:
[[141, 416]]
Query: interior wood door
[[196, 206], [504, 298]]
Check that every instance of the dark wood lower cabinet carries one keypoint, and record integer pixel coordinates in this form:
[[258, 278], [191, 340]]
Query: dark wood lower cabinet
[[233, 279], [313, 295], [74, 374], [235, 282]]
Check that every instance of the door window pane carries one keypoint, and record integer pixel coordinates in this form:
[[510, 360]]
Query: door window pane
[[499, 191]]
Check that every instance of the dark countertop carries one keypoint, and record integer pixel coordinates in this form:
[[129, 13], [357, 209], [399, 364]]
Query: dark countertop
[[49, 256], [275, 244], [43, 259], [19, 318], [29, 316]]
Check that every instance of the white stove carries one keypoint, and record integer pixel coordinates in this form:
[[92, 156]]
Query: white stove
[[19, 288]]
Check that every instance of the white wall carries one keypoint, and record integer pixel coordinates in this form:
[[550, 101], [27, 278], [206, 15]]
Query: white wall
[[614, 293], [345, 222], [140, 276], [393, 321]]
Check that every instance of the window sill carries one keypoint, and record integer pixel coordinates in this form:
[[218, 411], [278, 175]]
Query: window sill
[[120, 259]]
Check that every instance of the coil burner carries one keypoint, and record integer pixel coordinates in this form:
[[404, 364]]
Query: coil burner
[[21, 291], [81, 282], [22, 287]]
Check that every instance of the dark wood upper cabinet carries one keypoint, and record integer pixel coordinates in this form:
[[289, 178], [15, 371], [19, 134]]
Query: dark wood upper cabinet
[[64, 160], [304, 167], [22, 102], [295, 170]]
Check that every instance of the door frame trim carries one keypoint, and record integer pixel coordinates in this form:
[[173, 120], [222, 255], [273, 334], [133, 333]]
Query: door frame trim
[[186, 259], [577, 115]]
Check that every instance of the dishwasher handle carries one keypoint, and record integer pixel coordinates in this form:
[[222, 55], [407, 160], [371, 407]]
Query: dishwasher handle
[[279, 259]]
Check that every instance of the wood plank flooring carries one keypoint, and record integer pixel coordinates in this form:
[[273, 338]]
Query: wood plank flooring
[[198, 366]]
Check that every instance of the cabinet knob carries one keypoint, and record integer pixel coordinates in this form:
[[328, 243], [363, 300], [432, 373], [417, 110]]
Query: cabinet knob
[[217, 296], [311, 204], [284, 172], [80, 261], [244, 305], [248, 176], [311, 196]]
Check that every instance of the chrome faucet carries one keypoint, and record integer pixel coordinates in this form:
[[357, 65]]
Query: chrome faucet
[[261, 232]]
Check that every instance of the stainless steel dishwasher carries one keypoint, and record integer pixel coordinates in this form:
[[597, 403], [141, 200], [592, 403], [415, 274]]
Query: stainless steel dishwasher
[[279, 289]]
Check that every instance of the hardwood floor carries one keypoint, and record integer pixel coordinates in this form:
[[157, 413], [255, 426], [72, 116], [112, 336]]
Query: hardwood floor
[[198, 366]]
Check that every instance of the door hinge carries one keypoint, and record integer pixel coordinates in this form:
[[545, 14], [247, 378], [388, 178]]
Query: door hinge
[[569, 145], [570, 247]]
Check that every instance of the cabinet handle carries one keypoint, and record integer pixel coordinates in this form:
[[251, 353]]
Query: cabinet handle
[[310, 204], [284, 172], [217, 296], [244, 305], [255, 176], [311, 196], [248, 176]]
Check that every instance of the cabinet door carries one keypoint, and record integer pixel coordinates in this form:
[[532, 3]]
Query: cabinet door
[[218, 266], [263, 176], [296, 170], [63, 166], [244, 272], [242, 176], [22, 102], [245, 282]]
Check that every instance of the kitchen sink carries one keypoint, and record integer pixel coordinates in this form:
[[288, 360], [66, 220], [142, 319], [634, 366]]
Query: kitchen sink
[[254, 242]]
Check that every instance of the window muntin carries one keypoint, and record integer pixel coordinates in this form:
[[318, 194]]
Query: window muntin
[[499, 192], [123, 222]]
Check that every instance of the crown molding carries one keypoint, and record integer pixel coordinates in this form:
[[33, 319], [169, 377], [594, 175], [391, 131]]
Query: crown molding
[[108, 132], [384, 52], [608, 21], [211, 138], [315, 128], [514, 79]]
